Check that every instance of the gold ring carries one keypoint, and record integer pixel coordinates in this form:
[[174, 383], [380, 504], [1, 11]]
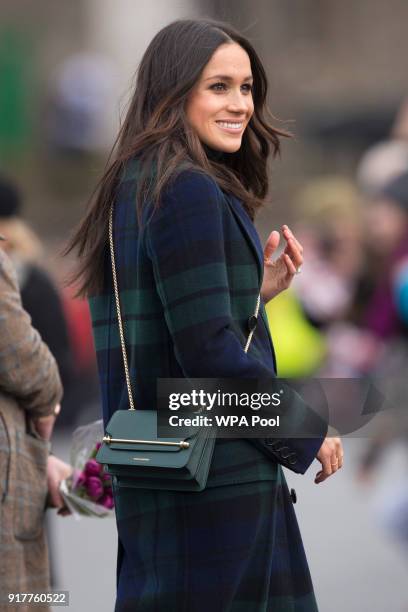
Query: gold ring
[[298, 270]]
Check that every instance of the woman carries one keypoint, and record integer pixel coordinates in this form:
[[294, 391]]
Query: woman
[[188, 175]]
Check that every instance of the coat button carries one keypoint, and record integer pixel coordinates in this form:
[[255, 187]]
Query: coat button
[[252, 323], [271, 442], [293, 495]]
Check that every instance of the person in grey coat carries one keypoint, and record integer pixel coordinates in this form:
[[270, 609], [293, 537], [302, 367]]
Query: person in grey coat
[[30, 392]]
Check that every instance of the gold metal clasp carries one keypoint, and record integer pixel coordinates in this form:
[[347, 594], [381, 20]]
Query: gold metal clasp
[[109, 440]]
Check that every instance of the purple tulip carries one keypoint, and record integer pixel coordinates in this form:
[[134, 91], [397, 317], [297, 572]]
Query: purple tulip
[[106, 477], [107, 501], [80, 480], [98, 445], [92, 468], [94, 487]]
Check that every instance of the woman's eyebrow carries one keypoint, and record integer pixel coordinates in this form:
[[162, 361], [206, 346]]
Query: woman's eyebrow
[[225, 77]]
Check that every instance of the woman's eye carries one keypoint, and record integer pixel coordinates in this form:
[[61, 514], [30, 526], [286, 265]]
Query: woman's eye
[[247, 87], [219, 86]]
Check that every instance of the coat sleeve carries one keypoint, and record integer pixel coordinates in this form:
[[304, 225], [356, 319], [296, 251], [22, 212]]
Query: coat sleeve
[[186, 243], [28, 371]]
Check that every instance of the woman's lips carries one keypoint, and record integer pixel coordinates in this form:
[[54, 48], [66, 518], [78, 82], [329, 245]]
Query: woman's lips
[[231, 127]]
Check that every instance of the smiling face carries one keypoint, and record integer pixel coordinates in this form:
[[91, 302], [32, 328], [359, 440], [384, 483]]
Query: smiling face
[[221, 105]]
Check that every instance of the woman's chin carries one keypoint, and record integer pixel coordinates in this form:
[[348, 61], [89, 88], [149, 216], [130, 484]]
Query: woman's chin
[[227, 147]]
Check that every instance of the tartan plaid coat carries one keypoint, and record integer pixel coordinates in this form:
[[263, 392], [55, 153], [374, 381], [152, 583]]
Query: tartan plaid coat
[[189, 277], [29, 386]]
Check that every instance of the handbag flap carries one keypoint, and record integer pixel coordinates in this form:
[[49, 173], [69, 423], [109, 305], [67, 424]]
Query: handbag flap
[[141, 425]]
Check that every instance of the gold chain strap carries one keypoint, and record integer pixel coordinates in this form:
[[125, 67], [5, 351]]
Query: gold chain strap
[[118, 312], [121, 334], [251, 333]]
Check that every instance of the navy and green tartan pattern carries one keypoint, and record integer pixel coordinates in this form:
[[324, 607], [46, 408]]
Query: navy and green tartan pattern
[[188, 279], [186, 294], [188, 283], [185, 552]]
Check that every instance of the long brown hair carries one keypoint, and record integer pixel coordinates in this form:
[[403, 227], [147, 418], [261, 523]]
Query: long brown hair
[[156, 131]]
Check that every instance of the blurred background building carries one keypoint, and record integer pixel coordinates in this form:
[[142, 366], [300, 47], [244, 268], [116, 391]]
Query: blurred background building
[[338, 82]]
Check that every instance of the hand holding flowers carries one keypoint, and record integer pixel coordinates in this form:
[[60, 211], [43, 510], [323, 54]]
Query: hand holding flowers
[[88, 491]]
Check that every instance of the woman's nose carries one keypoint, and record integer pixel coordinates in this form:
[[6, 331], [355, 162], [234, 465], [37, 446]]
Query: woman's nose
[[238, 102]]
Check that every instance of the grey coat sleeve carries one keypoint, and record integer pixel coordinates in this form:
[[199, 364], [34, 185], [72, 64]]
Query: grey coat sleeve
[[28, 371]]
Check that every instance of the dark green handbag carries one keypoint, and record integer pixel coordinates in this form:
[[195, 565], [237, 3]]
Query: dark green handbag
[[132, 452], [151, 462]]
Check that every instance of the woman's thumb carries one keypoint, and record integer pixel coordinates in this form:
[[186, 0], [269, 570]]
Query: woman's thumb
[[271, 245]]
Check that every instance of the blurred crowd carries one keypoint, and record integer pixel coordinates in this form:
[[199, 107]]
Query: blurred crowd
[[47, 370], [347, 313], [62, 320]]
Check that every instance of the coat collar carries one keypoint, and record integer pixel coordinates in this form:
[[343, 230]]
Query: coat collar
[[213, 154], [249, 231]]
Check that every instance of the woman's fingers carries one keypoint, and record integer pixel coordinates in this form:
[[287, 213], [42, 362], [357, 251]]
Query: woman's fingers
[[326, 470], [294, 253], [330, 456], [320, 477], [291, 268], [334, 462], [339, 452], [288, 234], [293, 247], [64, 511], [57, 470]]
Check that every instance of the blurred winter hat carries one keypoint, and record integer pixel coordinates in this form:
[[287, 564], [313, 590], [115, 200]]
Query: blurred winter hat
[[20, 238], [380, 164], [10, 199], [397, 191], [328, 198]]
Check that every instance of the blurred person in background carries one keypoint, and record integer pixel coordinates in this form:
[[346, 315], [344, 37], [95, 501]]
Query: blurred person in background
[[62, 321], [387, 233], [83, 86], [400, 127], [40, 296], [30, 392], [386, 317], [330, 212], [300, 347], [378, 167], [316, 339], [84, 397]]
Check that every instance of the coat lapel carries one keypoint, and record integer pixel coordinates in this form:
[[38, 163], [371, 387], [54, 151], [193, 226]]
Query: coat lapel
[[249, 231]]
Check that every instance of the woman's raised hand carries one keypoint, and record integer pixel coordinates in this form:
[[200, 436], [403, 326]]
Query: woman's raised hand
[[278, 273]]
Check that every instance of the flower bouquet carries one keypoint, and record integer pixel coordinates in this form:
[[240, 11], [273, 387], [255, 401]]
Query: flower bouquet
[[88, 491]]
